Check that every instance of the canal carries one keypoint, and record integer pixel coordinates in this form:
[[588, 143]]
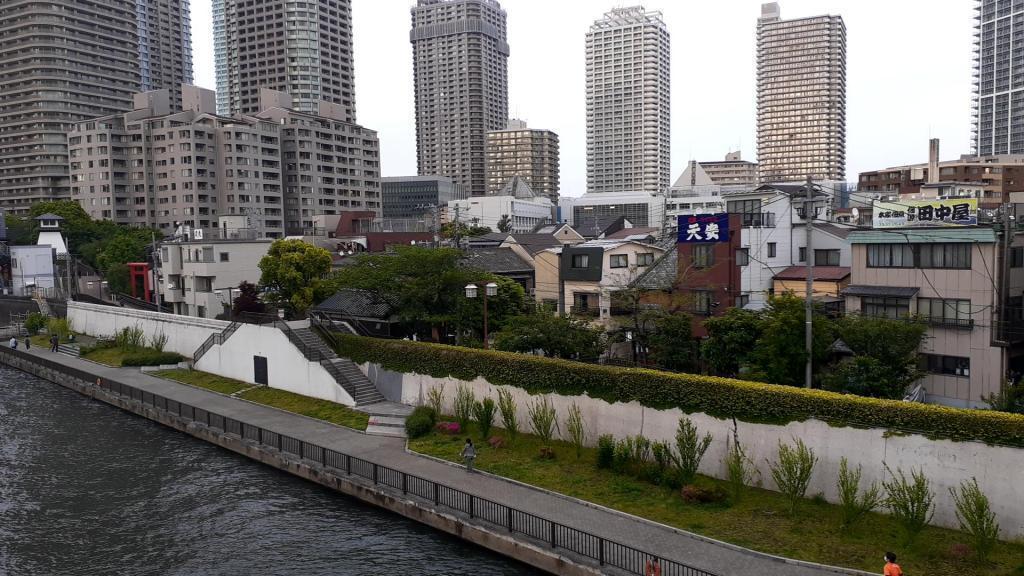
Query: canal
[[86, 489]]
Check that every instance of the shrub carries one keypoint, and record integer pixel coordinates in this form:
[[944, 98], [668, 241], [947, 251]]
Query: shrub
[[605, 451], [664, 466], [158, 341], [151, 358], [739, 470], [792, 471], [854, 504], [449, 428], [496, 442], [463, 406], [721, 397], [507, 407], [700, 495], [483, 412], [35, 322], [976, 517], [420, 422], [547, 453], [576, 428], [542, 418], [632, 455], [691, 449], [911, 502], [59, 326], [130, 338], [435, 399]]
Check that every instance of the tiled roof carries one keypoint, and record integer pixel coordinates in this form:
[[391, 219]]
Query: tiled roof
[[534, 243], [827, 273], [895, 291], [356, 303], [627, 232], [496, 260], [837, 231]]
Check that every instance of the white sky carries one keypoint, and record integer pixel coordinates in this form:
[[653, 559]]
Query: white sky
[[908, 76]]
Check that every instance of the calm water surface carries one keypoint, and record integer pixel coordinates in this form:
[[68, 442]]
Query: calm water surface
[[87, 489]]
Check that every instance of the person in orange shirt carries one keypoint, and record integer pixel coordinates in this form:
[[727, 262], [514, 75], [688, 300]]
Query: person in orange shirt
[[891, 567], [653, 568]]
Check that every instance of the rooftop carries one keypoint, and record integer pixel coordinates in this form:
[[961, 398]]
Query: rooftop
[[824, 273], [496, 260]]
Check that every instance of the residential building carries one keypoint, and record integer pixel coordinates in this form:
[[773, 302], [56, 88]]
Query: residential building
[[460, 64], [587, 274], [414, 196], [530, 154], [517, 202], [733, 171], [596, 210], [828, 286], [220, 58], [303, 49], [43, 92], [165, 46], [33, 270], [628, 102], [695, 192], [951, 278], [998, 108], [801, 97]]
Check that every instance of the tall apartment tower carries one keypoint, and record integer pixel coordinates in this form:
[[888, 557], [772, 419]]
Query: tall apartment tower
[[998, 82], [801, 97], [528, 153], [220, 58], [460, 63], [165, 46], [61, 61], [303, 49]]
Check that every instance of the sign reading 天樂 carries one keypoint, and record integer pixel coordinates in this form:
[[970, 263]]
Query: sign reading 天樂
[[926, 213], [699, 228]]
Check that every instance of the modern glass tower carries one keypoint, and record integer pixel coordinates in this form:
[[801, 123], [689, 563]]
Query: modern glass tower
[[460, 63], [998, 78], [801, 97], [165, 46], [628, 100]]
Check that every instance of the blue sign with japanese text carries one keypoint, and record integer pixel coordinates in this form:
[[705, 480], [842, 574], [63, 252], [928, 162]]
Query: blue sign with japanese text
[[703, 228]]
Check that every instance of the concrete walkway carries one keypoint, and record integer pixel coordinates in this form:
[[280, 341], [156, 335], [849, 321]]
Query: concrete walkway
[[649, 537]]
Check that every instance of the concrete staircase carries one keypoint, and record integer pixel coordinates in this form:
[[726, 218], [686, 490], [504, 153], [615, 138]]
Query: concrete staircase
[[352, 379], [312, 346], [386, 418]]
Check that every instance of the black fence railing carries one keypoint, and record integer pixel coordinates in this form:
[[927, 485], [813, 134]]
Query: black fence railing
[[547, 532]]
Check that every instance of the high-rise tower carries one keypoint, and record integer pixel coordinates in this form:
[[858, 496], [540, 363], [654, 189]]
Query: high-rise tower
[[998, 79], [165, 46], [522, 151], [628, 98], [801, 97], [460, 62]]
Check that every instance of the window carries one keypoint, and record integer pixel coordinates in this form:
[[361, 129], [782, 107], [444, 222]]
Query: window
[[940, 312], [1017, 257], [890, 256], [771, 249], [224, 257], [1015, 309], [645, 259], [580, 260], [951, 365], [702, 302], [801, 254], [742, 300], [952, 256], [825, 257], [703, 255], [619, 260], [743, 256], [585, 303], [885, 306]]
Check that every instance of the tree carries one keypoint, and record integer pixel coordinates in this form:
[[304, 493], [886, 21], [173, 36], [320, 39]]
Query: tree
[[505, 224], [507, 303], [465, 230], [779, 356], [672, 344], [554, 336], [294, 273], [731, 339], [885, 356], [248, 300]]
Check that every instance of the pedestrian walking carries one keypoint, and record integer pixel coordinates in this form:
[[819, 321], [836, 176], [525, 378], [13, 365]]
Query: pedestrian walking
[[28, 342], [891, 567], [14, 343], [469, 454], [653, 568], [54, 343]]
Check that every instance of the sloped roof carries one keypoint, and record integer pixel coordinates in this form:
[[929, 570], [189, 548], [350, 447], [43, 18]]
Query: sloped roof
[[534, 243], [518, 188], [627, 233], [496, 260], [356, 303], [824, 273], [48, 216], [895, 291], [694, 175], [837, 231]]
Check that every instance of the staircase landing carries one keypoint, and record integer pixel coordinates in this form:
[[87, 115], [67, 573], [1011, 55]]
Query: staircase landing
[[386, 418]]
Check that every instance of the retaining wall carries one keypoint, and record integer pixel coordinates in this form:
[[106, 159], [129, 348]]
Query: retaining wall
[[185, 334]]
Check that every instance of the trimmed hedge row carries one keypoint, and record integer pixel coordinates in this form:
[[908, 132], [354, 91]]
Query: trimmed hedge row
[[151, 358], [719, 397]]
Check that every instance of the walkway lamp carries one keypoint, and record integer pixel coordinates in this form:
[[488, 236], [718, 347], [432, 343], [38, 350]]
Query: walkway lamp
[[490, 289]]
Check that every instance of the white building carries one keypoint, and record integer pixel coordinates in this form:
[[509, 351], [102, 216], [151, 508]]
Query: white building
[[33, 269], [525, 209], [641, 209], [696, 192]]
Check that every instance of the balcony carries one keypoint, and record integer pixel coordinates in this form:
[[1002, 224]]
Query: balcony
[[954, 323]]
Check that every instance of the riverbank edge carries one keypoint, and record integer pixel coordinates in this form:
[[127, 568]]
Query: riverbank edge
[[496, 541]]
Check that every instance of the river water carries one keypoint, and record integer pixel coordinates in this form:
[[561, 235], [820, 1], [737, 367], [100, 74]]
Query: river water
[[86, 489]]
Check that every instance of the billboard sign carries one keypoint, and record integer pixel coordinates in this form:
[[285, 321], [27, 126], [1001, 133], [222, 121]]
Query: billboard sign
[[926, 213], [704, 228]]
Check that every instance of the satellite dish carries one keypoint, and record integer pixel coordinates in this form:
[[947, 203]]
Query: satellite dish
[[856, 213]]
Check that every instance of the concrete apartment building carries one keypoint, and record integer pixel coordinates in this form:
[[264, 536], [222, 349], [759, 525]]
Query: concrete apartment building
[[801, 97], [524, 208], [60, 62], [414, 196], [998, 108], [529, 153], [303, 49], [220, 57], [628, 102], [165, 46], [733, 171], [460, 63]]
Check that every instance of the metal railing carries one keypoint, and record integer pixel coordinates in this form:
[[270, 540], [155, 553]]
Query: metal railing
[[598, 549], [213, 340], [311, 352]]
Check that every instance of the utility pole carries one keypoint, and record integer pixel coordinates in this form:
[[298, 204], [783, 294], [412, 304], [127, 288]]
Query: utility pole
[[437, 226], [809, 297], [458, 244], [156, 274]]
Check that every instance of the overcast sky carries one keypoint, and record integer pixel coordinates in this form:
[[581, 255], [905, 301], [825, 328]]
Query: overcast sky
[[908, 76]]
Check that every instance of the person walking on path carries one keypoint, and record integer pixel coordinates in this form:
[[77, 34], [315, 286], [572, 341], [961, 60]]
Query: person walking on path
[[891, 567], [54, 343], [28, 342], [14, 343], [653, 568], [469, 454]]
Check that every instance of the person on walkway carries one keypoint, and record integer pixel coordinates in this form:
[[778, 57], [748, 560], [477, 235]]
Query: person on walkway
[[14, 343], [28, 342], [653, 568], [54, 343], [469, 454], [891, 567]]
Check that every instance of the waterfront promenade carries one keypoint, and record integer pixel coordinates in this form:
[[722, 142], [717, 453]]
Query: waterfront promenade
[[659, 540]]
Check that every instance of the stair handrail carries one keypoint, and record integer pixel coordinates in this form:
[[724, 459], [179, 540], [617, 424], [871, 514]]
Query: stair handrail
[[215, 339], [318, 323], [311, 354]]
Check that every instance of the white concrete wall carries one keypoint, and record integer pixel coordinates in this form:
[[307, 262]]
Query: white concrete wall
[[945, 463], [184, 334], [287, 368]]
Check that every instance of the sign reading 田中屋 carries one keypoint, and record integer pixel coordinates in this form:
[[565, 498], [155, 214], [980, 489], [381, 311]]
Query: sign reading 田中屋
[[704, 228], [925, 213]]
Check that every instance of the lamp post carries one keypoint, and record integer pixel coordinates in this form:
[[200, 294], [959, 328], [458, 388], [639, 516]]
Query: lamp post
[[490, 289]]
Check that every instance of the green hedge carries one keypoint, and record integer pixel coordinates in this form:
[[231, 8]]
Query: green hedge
[[151, 358], [720, 397]]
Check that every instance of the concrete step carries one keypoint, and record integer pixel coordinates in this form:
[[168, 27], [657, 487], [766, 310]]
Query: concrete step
[[386, 431], [393, 421]]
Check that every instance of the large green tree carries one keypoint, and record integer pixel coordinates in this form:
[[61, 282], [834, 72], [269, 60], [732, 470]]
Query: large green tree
[[885, 356], [294, 273], [731, 339], [552, 335], [672, 344], [779, 355]]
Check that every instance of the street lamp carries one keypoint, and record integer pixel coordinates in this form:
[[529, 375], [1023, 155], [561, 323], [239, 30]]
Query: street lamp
[[490, 289]]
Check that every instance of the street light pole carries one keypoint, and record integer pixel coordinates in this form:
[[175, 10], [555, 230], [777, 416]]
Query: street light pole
[[490, 289]]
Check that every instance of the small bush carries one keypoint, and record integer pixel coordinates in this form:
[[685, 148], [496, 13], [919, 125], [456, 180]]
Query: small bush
[[35, 322], [448, 428], [483, 412], [547, 453], [59, 326], [691, 448], [792, 471], [633, 455], [158, 341], [739, 469], [854, 504], [976, 517], [420, 422], [542, 418], [605, 451], [699, 495], [130, 338], [911, 502], [151, 358], [507, 407], [576, 428], [496, 442], [463, 407], [435, 399]]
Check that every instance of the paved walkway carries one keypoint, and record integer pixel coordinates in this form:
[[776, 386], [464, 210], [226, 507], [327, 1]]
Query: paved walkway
[[390, 452]]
